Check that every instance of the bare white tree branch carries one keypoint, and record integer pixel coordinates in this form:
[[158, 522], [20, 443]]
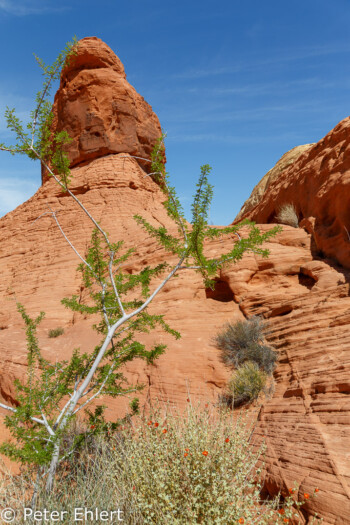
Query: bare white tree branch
[[98, 392], [53, 213], [113, 283], [35, 419]]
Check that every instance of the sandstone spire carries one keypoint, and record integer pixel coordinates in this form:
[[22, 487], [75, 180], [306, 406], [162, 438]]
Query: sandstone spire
[[100, 110]]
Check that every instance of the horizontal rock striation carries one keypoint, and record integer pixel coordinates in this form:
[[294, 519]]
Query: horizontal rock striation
[[306, 423]]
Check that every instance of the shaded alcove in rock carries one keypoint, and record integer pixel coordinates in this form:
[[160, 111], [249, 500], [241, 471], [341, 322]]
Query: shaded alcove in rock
[[222, 291], [306, 280], [284, 309], [272, 218]]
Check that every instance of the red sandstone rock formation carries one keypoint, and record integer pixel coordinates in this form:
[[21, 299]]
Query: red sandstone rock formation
[[100, 110], [304, 297], [306, 424], [318, 184], [259, 190]]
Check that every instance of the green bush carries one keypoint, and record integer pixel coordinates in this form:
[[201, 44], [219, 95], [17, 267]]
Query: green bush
[[55, 332], [246, 384], [287, 215], [242, 341]]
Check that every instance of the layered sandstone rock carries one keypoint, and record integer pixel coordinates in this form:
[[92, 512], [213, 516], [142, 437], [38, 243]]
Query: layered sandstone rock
[[259, 190], [318, 184], [305, 298], [306, 424], [100, 110], [39, 268]]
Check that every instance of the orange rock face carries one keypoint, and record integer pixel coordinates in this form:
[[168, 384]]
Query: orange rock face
[[100, 110], [304, 296], [306, 423], [318, 184], [259, 190]]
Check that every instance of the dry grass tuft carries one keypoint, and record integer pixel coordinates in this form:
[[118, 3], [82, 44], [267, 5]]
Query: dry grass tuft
[[56, 332], [242, 341], [287, 214]]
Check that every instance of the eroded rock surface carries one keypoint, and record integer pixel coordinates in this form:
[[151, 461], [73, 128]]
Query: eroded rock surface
[[318, 184], [304, 296], [259, 190], [306, 424], [100, 110]]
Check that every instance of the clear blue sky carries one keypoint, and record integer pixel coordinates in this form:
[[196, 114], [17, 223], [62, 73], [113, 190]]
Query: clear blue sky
[[235, 84]]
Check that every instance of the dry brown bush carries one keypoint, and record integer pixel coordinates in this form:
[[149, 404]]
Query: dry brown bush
[[287, 214]]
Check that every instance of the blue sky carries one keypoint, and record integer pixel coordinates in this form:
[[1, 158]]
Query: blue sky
[[235, 84]]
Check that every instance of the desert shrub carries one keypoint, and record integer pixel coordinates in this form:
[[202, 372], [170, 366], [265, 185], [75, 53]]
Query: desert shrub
[[55, 332], [246, 384], [287, 215], [197, 468], [184, 469], [263, 355], [242, 341]]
